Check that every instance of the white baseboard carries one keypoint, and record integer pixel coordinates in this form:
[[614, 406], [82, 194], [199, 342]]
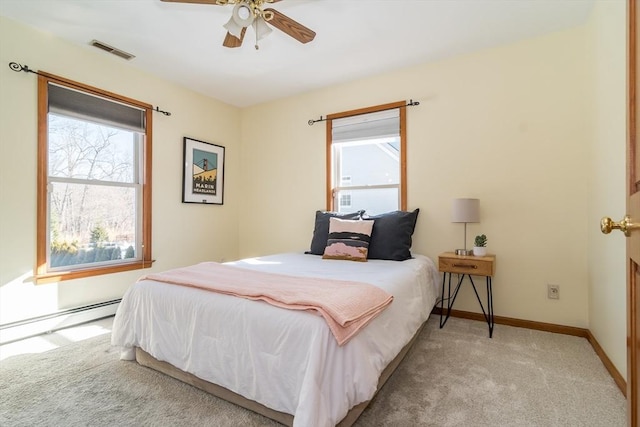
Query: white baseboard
[[55, 321]]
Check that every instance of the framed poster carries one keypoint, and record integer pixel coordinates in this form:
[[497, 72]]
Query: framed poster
[[203, 172]]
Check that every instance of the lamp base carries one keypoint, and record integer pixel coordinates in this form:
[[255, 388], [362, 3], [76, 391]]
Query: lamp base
[[464, 252]]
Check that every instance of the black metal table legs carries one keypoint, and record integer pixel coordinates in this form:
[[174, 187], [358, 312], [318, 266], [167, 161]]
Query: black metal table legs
[[488, 314]]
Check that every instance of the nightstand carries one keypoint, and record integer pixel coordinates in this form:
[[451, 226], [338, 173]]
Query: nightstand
[[466, 266]]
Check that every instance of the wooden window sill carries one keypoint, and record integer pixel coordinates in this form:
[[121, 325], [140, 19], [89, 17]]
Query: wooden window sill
[[58, 276]]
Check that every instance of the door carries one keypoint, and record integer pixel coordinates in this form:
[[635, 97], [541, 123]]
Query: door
[[632, 220], [630, 224]]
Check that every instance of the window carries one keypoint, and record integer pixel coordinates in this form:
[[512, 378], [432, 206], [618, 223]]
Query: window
[[366, 154], [345, 201], [94, 181]]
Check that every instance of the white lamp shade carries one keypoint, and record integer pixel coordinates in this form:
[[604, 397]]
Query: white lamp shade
[[241, 17], [233, 28], [261, 28], [465, 210], [242, 14]]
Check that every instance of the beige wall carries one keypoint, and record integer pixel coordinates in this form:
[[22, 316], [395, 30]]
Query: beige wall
[[606, 266], [506, 125], [182, 233], [532, 129]]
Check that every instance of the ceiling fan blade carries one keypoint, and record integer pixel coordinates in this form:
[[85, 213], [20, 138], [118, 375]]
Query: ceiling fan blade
[[192, 1], [233, 41], [291, 27]]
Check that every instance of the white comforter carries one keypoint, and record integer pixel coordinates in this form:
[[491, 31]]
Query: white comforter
[[284, 359]]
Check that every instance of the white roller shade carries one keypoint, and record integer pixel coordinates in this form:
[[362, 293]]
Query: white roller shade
[[379, 124]]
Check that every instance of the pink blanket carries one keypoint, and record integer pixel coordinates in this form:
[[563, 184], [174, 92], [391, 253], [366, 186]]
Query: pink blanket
[[346, 306]]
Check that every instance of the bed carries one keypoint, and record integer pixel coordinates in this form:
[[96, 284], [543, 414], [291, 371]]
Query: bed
[[296, 365], [284, 364]]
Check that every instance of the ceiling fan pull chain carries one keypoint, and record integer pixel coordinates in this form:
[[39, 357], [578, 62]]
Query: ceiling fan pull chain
[[255, 31]]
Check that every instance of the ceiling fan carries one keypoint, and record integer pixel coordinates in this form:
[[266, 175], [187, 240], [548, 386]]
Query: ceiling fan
[[251, 13]]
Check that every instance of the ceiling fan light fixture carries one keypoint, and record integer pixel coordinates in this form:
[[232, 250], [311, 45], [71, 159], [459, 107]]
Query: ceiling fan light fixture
[[233, 28], [243, 14], [251, 12], [261, 28]]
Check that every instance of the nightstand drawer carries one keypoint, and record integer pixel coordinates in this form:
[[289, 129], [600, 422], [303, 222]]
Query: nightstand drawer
[[466, 265]]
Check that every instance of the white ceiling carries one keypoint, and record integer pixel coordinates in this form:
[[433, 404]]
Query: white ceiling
[[355, 38]]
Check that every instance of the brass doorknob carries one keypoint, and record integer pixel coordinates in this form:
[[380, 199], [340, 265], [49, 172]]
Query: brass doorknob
[[606, 225]]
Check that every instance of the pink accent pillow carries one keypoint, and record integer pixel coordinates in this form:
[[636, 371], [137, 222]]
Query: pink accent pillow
[[348, 239]]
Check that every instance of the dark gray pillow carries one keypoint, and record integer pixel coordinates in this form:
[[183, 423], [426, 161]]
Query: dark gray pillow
[[391, 235], [321, 229]]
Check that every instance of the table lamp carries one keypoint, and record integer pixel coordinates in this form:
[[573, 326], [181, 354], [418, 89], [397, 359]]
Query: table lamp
[[465, 210]]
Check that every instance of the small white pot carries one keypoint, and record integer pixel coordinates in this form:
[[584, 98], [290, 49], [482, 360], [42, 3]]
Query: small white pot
[[479, 251]]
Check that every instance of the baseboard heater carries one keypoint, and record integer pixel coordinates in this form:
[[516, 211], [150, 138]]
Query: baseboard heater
[[15, 331]]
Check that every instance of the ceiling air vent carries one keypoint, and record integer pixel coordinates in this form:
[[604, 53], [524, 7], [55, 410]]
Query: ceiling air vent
[[111, 49]]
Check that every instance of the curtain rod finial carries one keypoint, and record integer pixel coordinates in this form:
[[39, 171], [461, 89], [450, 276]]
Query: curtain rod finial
[[311, 122], [19, 67]]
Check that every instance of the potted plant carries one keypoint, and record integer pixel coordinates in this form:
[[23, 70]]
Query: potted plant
[[480, 245]]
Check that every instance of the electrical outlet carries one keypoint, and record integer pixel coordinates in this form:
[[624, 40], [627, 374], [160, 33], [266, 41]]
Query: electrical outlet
[[553, 291]]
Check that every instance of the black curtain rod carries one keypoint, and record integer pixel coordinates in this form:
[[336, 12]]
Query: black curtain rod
[[411, 103], [18, 67]]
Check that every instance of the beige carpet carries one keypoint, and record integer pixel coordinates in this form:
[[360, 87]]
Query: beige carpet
[[454, 376]]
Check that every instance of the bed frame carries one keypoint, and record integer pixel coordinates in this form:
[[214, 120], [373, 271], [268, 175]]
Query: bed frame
[[145, 359]]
